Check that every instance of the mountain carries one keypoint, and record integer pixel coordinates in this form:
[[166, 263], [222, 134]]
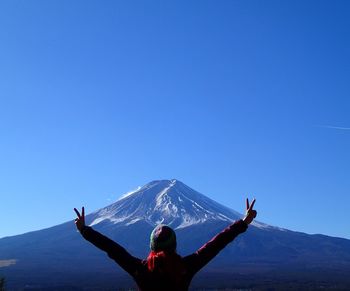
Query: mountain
[[265, 256], [169, 202]]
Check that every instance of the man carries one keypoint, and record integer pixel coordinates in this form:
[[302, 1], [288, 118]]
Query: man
[[164, 269]]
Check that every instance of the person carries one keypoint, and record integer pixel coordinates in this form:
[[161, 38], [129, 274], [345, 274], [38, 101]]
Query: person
[[164, 269]]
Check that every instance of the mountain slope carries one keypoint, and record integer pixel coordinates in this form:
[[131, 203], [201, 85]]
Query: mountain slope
[[168, 202], [58, 256]]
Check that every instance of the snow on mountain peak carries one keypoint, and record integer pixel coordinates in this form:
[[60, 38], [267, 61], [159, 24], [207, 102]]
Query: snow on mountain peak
[[129, 193], [164, 201]]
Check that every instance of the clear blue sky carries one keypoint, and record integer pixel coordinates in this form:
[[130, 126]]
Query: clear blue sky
[[233, 98]]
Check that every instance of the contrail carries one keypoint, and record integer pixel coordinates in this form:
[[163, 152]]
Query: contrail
[[336, 127]]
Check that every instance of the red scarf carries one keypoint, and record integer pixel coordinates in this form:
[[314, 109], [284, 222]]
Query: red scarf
[[166, 263]]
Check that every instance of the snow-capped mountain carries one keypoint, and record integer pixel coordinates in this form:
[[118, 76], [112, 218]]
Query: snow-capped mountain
[[168, 201], [59, 256]]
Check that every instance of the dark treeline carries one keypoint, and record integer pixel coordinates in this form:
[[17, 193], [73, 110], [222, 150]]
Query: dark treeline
[[2, 284]]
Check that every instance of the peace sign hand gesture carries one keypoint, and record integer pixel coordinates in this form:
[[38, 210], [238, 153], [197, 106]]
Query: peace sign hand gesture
[[80, 221], [250, 212]]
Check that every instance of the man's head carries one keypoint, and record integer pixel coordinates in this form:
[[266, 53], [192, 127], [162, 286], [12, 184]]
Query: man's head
[[163, 238]]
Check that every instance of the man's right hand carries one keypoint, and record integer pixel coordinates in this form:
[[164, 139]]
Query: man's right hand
[[250, 212], [80, 220]]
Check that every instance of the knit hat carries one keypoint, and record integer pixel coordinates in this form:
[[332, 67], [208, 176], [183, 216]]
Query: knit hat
[[163, 238]]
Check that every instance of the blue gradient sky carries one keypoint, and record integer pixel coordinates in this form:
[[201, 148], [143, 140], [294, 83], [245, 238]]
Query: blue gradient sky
[[233, 98]]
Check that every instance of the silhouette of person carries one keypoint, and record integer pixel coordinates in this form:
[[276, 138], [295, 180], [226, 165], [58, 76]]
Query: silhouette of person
[[164, 269]]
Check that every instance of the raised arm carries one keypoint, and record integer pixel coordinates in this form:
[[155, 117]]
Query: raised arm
[[207, 252], [113, 249]]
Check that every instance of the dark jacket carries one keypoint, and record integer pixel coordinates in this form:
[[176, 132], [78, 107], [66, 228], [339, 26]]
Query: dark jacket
[[151, 281]]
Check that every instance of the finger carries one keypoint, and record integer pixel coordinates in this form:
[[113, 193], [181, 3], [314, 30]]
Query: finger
[[252, 205], [77, 212], [255, 213], [83, 212], [247, 203]]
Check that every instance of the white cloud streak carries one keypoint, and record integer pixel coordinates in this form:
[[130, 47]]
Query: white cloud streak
[[336, 127]]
